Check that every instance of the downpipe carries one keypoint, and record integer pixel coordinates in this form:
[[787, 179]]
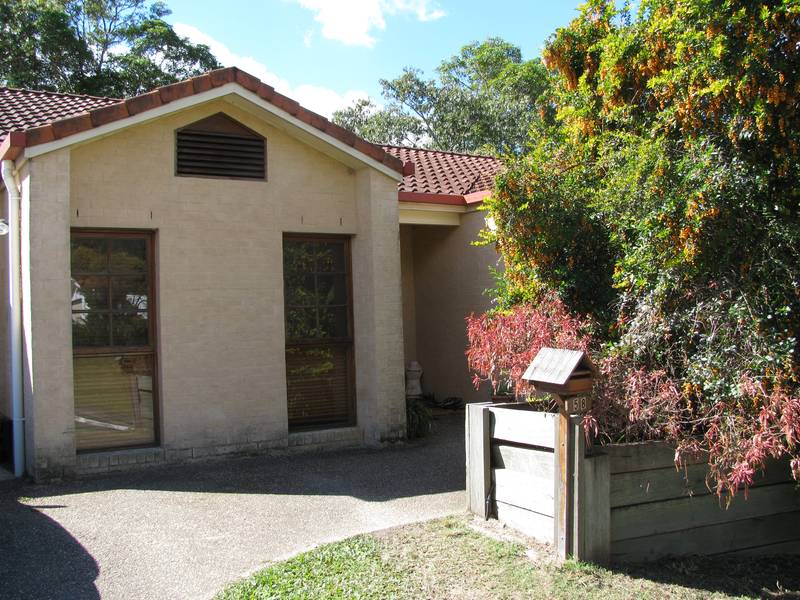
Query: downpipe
[[11, 182]]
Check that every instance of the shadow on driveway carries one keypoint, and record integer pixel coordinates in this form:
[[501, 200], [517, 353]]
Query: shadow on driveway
[[430, 465], [184, 531], [39, 558]]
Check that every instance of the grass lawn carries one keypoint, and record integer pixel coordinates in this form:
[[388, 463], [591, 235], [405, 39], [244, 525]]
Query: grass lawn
[[459, 557]]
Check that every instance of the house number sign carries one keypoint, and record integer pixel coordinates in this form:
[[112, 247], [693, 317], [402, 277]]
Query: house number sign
[[577, 405]]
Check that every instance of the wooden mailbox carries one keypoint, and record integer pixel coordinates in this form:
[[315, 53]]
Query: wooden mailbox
[[563, 373], [566, 374]]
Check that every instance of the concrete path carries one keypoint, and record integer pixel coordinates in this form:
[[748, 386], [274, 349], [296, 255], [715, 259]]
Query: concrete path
[[185, 532]]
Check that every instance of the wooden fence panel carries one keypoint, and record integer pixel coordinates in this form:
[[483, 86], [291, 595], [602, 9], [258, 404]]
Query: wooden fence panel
[[657, 511], [629, 502], [788, 547], [681, 514], [513, 423], [477, 443], [533, 524], [645, 456], [538, 463], [524, 490], [656, 485], [770, 534], [592, 537]]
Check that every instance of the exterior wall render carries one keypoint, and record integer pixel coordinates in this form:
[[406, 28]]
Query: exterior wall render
[[450, 276], [409, 301], [46, 332], [219, 281], [378, 310]]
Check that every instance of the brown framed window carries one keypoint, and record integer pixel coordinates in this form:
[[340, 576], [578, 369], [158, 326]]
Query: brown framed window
[[113, 339], [318, 308]]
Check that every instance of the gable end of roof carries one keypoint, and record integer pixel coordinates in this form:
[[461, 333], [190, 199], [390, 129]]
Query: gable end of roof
[[15, 141]]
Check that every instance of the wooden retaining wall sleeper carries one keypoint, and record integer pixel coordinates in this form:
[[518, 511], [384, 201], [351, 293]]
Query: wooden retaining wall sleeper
[[630, 503]]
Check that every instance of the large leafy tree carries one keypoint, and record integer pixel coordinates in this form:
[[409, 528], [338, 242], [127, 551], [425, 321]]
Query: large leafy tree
[[101, 47], [662, 200], [482, 100]]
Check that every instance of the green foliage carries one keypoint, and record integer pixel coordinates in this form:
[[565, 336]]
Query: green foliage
[[380, 126], [419, 420], [659, 196], [349, 569], [482, 101], [39, 48], [549, 236], [102, 47], [453, 558]]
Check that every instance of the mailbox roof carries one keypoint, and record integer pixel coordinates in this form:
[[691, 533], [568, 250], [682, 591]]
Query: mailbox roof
[[554, 366]]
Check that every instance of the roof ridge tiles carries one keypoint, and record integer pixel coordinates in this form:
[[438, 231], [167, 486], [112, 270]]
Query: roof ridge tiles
[[416, 149]]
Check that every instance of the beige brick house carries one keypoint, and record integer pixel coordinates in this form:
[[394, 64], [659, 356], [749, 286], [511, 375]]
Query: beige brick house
[[210, 268]]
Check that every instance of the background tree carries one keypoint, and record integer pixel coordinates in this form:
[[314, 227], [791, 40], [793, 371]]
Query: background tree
[[39, 48], [483, 100], [660, 198], [382, 126], [102, 47]]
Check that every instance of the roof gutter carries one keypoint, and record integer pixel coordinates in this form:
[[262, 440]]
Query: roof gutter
[[472, 199], [11, 182]]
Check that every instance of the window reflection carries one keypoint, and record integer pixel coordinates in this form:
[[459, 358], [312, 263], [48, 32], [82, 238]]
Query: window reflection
[[110, 292], [319, 349], [111, 303], [113, 401], [315, 290]]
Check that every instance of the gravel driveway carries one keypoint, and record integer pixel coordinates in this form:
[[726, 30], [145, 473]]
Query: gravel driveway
[[184, 532]]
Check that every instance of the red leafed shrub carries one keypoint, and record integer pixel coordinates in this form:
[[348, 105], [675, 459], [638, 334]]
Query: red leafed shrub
[[736, 434], [502, 344], [738, 448], [632, 404]]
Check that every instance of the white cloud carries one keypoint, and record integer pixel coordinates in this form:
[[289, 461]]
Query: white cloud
[[351, 21], [319, 99]]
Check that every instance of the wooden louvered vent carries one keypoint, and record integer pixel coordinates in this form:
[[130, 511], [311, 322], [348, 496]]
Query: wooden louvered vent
[[218, 146]]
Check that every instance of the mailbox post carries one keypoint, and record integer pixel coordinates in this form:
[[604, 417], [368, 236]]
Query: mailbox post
[[567, 374]]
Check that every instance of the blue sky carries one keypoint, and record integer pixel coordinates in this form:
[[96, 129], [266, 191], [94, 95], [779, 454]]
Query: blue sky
[[326, 53]]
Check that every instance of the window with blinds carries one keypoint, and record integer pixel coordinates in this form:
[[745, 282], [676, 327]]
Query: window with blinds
[[319, 332], [218, 146], [113, 339]]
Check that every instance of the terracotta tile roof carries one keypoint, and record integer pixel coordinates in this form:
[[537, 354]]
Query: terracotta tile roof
[[445, 176], [24, 109], [63, 115]]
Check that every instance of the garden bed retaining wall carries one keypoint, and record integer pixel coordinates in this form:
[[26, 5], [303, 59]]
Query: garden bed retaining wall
[[630, 503]]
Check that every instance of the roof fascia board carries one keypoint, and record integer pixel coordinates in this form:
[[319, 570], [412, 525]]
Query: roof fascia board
[[200, 98], [428, 217], [417, 213], [477, 197], [433, 207], [132, 121], [429, 198]]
